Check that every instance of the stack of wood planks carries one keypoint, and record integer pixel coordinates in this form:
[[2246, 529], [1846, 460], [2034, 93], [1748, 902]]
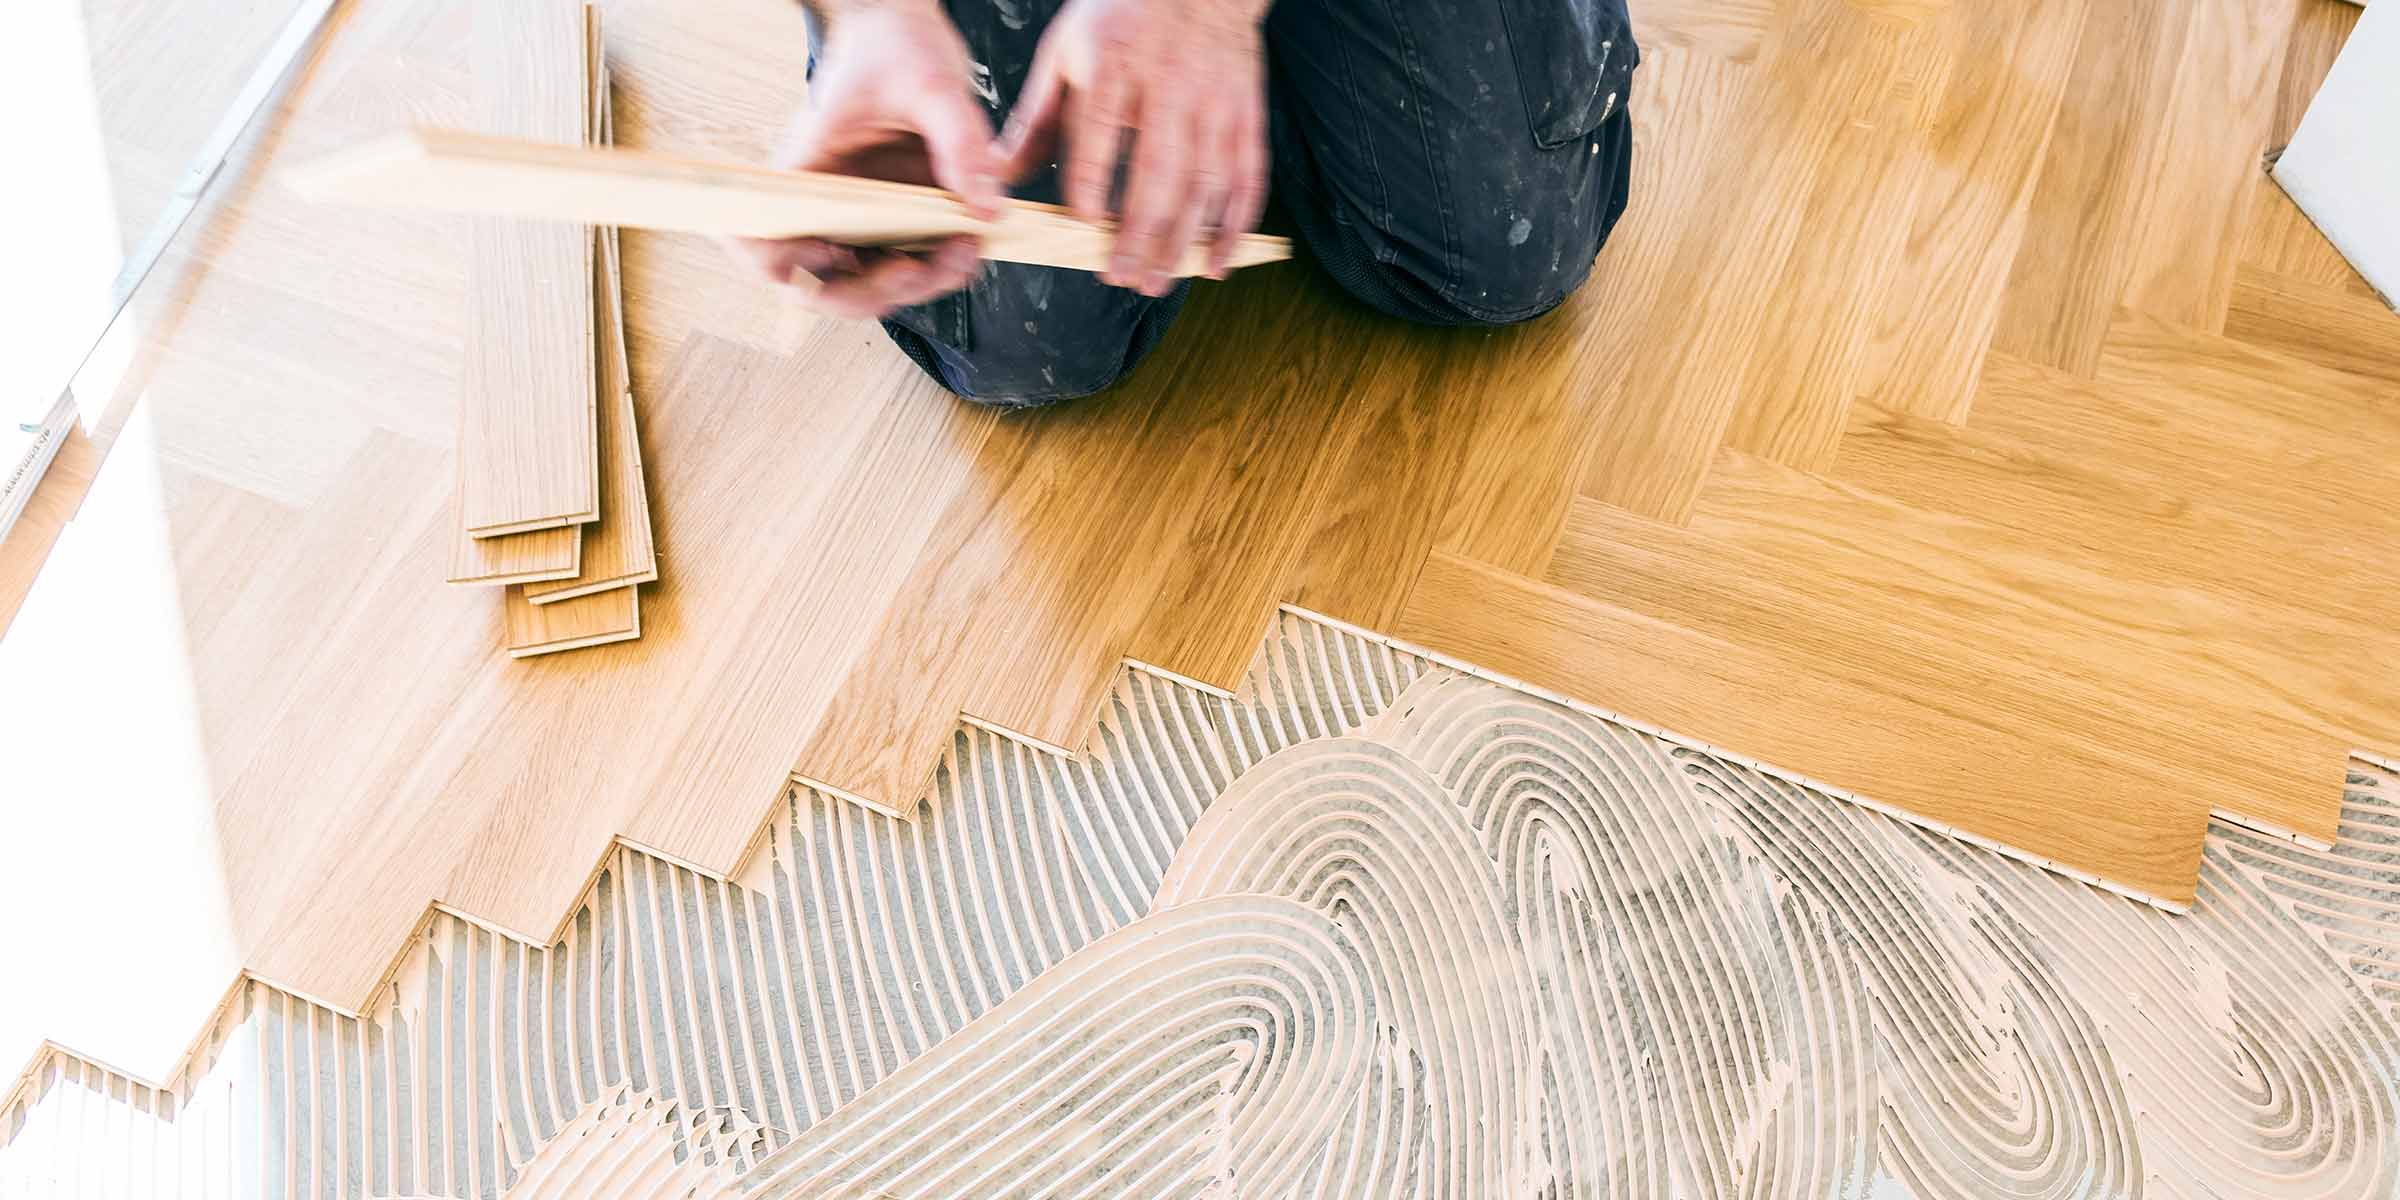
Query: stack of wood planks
[[550, 501]]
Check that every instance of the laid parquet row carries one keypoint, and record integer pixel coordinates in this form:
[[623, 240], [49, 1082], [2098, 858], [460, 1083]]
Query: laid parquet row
[[1934, 426]]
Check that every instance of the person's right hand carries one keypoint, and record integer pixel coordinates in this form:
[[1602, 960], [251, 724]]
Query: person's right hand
[[892, 99]]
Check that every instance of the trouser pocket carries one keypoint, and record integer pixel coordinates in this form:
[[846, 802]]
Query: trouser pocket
[[1573, 59]]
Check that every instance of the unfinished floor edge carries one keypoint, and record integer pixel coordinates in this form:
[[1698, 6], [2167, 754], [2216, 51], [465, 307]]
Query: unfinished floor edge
[[2069, 1024], [1261, 679]]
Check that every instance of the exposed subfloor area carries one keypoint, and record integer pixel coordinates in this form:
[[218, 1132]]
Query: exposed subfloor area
[[1381, 929], [1959, 421]]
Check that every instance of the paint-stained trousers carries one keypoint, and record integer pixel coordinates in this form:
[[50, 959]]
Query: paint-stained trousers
[[1452, 162]]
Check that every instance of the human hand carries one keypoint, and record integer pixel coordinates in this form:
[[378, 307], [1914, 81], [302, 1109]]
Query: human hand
[[1186, 80], [891, 99]]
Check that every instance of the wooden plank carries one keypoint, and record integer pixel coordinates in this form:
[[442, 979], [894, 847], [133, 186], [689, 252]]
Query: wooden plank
[[2204, 166], [2332, 327], [2074, 257], [1665, 423], [1553, 384], [455, 171], [1276, 409], [1976, 638], [2239, 701], [1010, 580], [1796, 391], [2149, 174], [526, 439], [2149, 527], [1725, 29], [592, 619], [1989, 140], [1867, 736], [618, 548], [529, 557]]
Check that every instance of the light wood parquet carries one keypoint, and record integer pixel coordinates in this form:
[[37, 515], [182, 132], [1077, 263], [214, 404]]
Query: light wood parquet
[[1936, 426]]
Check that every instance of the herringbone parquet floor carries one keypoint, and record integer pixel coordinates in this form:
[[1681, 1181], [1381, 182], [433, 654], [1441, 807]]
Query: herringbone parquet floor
[[1960, 418]]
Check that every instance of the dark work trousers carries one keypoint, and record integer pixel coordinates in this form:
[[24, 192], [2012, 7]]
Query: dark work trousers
[[1452, 162]]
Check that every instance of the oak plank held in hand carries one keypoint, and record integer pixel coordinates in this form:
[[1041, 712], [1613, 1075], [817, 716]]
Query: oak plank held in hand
[[465, 172], [526, 439]]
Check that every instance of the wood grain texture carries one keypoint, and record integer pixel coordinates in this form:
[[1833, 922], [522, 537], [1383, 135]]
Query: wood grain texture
[[618, 549], [531, 180], [592, 619], [1874, 737], [1561, 380], [2205, 161], [1728, 29], [1990, 138], [530, 557], [851, 560], [2147, 184], [2334, 327], [526, 452], [2169, 670], [1664, 424], [1796, 391]]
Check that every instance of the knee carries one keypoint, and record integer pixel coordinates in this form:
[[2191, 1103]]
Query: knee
[[1030, 376], [1033, 337], [1519, 283], [1526, 268], [1501, 254]]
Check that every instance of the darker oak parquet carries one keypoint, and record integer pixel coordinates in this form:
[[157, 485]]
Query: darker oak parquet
[[1968, 460]]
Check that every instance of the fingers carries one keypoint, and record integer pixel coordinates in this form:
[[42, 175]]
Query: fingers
[[1246, 193], [782, 260], [898, 280], [842, 281], [1096, 118], [1158, 190], [958, 141], [1033, 121]]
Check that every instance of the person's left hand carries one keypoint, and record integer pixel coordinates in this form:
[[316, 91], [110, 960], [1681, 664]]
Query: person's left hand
[[1186, 80]]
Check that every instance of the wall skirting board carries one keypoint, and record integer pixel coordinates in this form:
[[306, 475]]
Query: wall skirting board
[[1372, 926]]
